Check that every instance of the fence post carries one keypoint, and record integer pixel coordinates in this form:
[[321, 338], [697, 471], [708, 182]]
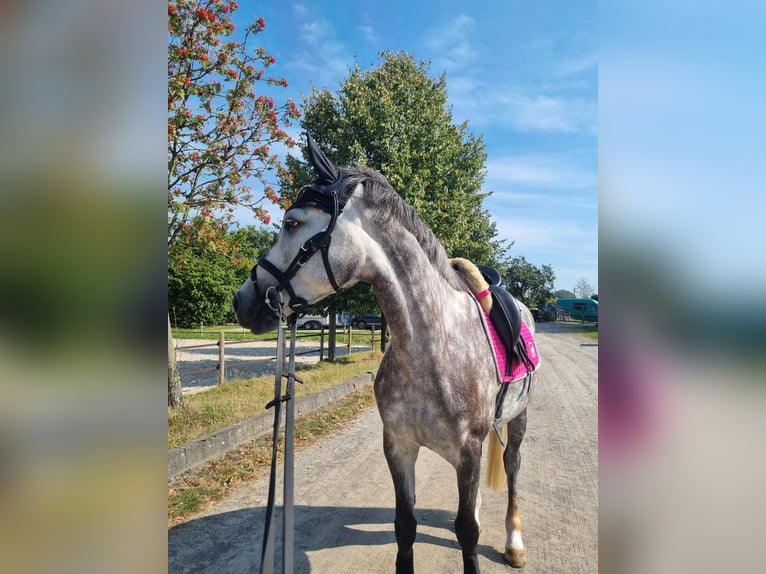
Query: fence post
[[321, 344], [332, 338], [350, 328], [372, 341], [221, 364]]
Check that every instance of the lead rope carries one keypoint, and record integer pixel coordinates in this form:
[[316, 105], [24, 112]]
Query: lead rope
[[288, 523], [288, 520]]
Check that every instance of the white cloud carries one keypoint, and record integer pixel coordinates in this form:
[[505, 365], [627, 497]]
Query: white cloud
[[299, 9], [521, 109], [369, 34], [539, 112], [528, 233], [575, 66], [551, 97], [568, 246], [319, 56], [452, 45], [561, 171]]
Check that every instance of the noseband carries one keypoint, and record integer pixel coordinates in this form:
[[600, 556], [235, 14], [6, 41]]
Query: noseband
[[327, 201]]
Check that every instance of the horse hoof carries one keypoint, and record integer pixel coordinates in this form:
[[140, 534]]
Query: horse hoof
[[516, 558]]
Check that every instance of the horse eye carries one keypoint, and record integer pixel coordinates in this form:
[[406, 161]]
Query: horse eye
[[291, 223]]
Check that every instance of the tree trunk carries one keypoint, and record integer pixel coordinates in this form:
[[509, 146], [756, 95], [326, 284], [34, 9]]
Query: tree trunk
[[175, 398]]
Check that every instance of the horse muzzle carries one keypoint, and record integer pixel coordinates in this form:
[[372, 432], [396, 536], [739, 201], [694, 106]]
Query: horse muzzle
[[252, 309]]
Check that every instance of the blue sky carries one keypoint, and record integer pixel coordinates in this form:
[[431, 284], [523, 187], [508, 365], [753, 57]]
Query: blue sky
[[522, 74], [681, 138]]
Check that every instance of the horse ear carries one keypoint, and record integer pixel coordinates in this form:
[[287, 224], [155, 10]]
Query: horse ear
[[326, 172]]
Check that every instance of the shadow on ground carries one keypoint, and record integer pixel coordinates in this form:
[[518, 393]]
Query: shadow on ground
[[231, 542]]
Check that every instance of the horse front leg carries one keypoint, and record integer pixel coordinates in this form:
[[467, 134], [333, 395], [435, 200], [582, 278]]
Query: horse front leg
[[401, 457], [467, 523], [514, 554]]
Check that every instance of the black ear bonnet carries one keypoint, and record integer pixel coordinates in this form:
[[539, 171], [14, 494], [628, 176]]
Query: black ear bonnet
[[330, 185]]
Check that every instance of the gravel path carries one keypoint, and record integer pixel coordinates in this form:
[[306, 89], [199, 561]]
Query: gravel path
[[344, 496]]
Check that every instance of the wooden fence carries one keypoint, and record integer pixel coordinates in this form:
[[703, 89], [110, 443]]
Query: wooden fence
[[222, 344]]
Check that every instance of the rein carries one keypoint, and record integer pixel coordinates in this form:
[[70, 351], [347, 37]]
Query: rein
[[288, 514]]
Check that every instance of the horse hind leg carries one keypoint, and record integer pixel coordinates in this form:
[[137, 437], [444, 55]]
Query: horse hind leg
[[401, 460], [514, 554]]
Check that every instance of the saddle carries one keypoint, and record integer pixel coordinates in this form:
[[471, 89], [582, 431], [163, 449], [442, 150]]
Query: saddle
[[504, 314], [505, 317], [499, 304]]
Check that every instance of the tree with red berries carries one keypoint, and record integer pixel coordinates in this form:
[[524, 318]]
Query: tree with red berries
[[222, 125], [220, 129]]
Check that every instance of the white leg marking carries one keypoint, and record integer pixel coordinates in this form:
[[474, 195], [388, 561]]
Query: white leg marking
[[514, 540]]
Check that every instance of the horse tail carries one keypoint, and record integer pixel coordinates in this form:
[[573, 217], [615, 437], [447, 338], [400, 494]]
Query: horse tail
[[496, 479]]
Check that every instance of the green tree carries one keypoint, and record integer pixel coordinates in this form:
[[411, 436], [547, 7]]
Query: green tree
[[202, 277], [530, 284], [220, 130], [248, 245], [564, 294], [395, 118], [200, 288]]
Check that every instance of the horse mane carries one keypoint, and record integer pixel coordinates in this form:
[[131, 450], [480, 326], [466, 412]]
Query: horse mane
[[390, 206]]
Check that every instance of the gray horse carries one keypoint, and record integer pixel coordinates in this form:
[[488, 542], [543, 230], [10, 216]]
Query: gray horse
[[437, 383]]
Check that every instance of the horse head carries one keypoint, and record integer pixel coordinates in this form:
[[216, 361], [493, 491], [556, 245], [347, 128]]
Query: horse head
[[306, 263]]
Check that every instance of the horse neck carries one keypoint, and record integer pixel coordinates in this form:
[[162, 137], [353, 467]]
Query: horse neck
[[414, 295]]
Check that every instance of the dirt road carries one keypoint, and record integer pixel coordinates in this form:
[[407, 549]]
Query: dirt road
[[344, 496]]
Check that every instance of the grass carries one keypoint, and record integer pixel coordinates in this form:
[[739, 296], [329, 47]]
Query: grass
[[188, 500], [195, 490], [235, 401], [233, 332], [591, 331]]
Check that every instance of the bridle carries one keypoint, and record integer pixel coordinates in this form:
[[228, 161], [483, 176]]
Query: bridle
[[326, 199]]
